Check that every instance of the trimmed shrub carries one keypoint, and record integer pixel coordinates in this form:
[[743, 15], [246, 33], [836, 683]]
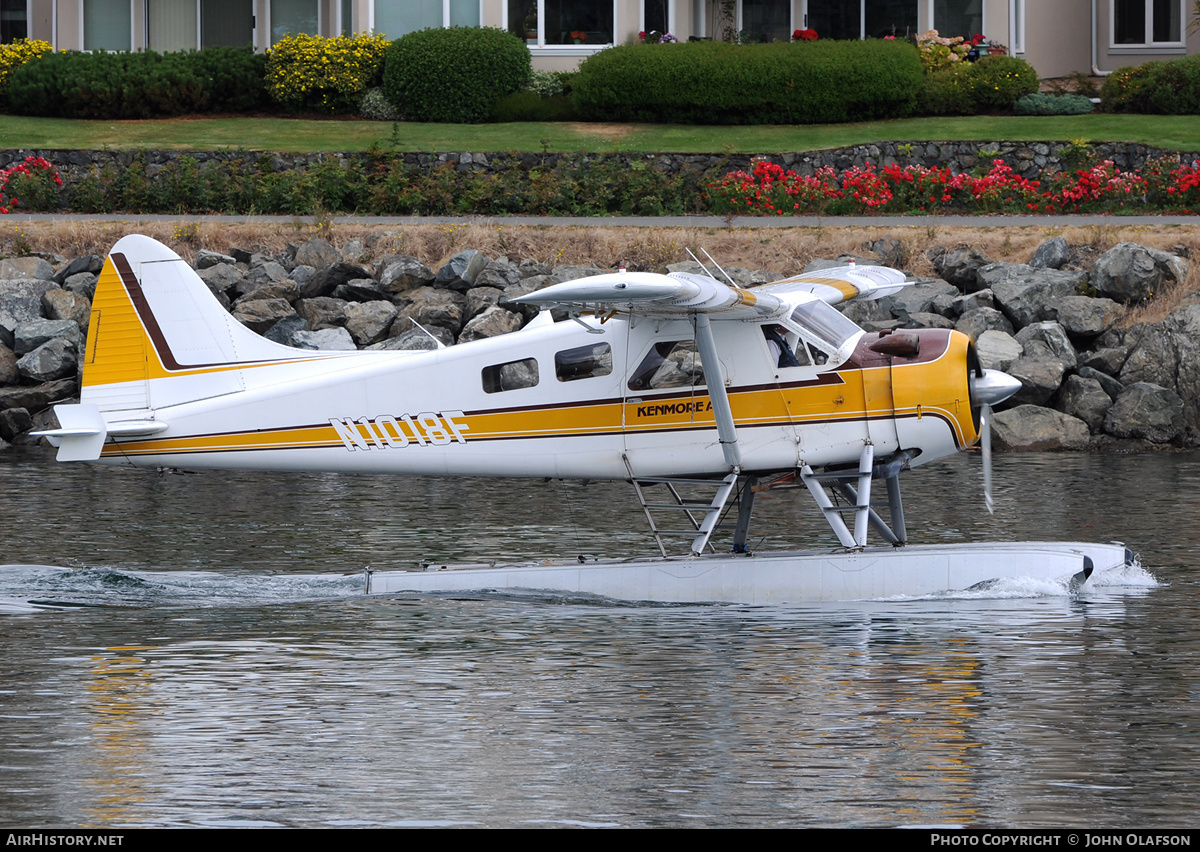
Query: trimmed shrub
[[16, 54], [1156, 88], [324, 74], [456, 74], [1042, 104], [949, 91], [138, 85], [1000, 80], [782, 83]]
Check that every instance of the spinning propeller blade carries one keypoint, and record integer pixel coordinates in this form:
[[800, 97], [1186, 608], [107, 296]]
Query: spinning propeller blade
[[988, 388], [985, 444]]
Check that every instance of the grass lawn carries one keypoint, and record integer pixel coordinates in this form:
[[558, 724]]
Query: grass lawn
[[307, 135]]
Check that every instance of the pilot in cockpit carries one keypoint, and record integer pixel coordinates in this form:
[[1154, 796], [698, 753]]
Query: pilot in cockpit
[[781, 352]]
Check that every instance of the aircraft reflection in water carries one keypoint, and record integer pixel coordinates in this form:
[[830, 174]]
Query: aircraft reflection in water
[[672, 382]]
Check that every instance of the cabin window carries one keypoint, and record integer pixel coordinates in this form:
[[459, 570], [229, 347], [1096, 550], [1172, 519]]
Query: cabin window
[[670, 364], [583, 362], [513, 375]]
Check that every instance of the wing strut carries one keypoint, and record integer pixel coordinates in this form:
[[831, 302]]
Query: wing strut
[[726, 431]]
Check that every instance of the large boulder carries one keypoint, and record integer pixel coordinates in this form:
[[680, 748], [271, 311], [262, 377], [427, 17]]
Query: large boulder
[[317, 253], [961, 266], [54, 359], [1132, 274], [997, 350], [369, 322], [20, 301], [1031, 428], [491, 323], [1084, 398], [26, 267], [1049, 340], [1040, 377], [1083, 316], [1150, 412], [461, 270], [403, 273], [262, 314], [437, 306], [1052, 254], [1028, 295]]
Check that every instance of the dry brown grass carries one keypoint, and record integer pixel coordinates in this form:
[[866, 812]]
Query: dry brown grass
[[780, 250]]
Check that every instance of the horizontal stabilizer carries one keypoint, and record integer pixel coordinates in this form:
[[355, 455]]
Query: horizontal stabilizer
[[82, 432]]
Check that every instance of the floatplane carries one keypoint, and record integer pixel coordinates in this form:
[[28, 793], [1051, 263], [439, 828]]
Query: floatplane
[[680, 384]]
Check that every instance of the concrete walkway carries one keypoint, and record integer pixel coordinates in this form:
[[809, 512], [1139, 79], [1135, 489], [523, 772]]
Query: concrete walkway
[[1053, 221]]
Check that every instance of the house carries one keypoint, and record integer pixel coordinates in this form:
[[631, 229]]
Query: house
[[1058, 38]]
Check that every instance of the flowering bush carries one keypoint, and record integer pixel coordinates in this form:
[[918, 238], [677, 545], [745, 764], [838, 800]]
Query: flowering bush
[[937, 52], [804, 35], [325, 74], [769, 190], [33, 183], [16, 54]]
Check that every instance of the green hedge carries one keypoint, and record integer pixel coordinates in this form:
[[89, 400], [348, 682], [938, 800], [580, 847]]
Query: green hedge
[[1156, 88], [716, 83], [456, 74], [139, 85]]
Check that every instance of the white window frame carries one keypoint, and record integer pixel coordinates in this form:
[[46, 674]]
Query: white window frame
[[580, 50], [445, 14], [1147, 46]]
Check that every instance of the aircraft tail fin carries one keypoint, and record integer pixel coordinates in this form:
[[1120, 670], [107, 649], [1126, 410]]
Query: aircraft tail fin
[[158, 336]]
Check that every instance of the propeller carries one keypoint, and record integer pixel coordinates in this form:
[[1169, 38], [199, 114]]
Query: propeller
[[989, 387]]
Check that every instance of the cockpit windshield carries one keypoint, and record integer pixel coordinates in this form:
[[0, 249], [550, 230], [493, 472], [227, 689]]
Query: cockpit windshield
[[824, 325]]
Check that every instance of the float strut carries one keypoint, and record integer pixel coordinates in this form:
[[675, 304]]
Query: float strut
[[866, 462]]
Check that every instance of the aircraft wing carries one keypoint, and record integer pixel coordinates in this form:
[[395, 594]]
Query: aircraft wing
[[841, 284], [653, 294]]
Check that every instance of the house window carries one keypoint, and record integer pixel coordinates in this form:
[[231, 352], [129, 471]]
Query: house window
[[107, 25], [395, 18], [226, 23], [558, 22], [1147, 22], [766, 20], [293, 17], [865, 19], [958, 18], [656, 16], [171, 25], [14, 20]]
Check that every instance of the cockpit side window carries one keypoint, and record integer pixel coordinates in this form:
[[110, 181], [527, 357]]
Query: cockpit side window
[[669, 364]]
